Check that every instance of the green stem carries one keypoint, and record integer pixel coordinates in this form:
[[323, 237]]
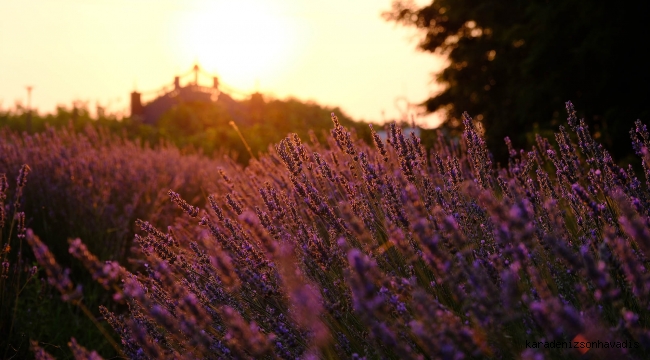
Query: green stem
[[248, 148], [99, 326]]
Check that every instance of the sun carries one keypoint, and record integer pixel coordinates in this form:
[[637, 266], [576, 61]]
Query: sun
[[242, 40]]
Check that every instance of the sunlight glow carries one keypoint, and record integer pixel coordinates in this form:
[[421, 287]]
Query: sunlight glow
[[242, 40]]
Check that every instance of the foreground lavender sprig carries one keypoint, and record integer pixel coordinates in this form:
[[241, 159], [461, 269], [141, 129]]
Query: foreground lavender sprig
[[57, 277]]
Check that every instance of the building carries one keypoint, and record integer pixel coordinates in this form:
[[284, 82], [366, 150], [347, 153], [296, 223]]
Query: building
[[168, 97]]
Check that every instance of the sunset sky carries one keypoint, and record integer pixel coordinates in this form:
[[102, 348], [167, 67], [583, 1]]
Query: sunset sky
[[337, 52]]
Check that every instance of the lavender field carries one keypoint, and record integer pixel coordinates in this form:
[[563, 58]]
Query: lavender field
[[331, 250]]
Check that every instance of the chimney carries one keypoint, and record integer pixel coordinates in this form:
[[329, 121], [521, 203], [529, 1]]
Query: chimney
[[177, 82], [215, 82], [136, 104]]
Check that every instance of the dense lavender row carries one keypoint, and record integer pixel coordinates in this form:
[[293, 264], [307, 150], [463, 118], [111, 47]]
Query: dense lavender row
[[339, 250], [92, 185], [95, 184]]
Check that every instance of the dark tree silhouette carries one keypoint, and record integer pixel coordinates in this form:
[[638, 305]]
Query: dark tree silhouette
[[513, 64]]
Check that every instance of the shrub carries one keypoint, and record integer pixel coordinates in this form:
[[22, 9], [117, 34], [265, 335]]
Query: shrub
[[340, 250]]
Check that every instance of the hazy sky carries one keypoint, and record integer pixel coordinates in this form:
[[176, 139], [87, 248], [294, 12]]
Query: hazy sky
[[335, 52]]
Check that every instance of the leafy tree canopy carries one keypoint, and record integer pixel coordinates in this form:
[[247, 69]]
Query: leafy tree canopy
[[512, 64]]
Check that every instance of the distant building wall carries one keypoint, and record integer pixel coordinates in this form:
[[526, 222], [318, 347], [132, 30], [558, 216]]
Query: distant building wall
[[154, 110], [406, 131]]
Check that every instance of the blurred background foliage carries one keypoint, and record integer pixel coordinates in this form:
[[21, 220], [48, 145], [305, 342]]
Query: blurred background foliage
[[203, 126], [512, 65]]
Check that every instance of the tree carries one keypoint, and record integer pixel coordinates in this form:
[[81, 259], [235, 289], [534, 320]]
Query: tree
[[513, 64]]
